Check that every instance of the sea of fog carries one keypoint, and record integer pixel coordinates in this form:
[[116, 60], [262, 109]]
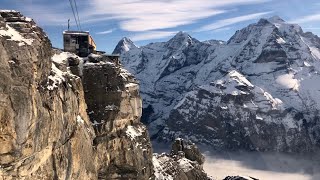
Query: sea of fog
[[263, 166]]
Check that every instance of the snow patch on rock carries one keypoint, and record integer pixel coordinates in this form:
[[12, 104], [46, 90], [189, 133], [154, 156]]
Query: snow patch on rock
[[80, 120], [62, 57], [159, 170], [15, 35], [134, 132], [288, 81], [57, 77]]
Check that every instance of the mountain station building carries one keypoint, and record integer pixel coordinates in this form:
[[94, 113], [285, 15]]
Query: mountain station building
[[79, 42]]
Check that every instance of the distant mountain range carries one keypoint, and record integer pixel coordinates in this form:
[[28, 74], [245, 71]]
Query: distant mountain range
[[260, 90]]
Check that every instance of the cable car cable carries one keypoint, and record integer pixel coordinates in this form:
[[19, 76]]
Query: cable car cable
[[75, 3], [74, 14]]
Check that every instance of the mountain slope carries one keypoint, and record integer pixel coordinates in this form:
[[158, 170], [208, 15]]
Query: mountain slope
[[277, 59]]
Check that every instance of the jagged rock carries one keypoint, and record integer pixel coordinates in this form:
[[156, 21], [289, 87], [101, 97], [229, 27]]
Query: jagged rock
[[73, 61], [95, 58], [189, 149], [239, 178], [178, 164], [235, 178]]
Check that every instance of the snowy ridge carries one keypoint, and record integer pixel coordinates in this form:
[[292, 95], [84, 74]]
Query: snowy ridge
[[268, 69]]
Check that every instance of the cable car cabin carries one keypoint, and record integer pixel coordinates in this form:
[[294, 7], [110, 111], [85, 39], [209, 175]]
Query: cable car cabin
[[78, 42]]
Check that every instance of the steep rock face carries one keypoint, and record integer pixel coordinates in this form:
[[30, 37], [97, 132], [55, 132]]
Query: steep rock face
[[278, 59], [45, 132], [115, 107]]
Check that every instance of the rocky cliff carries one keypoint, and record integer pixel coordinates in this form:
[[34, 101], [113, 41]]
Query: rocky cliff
[[258, 91], [115, 107], [45, 132], [45, 129], [65, 117]]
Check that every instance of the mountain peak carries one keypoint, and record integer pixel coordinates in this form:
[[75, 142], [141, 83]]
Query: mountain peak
[[181, 39], [124, 45], [128, 41], [182, 33], [275, 19]]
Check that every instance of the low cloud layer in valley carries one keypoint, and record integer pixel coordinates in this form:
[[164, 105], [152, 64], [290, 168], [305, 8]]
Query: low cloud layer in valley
[[266, 166]]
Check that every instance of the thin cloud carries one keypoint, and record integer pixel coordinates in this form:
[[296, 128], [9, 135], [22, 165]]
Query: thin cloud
[[146, 15], [222, 29], [226, 22], [46, 13], [151, 35], [132, 15], [309, 18], [91, 20], [107, 31]]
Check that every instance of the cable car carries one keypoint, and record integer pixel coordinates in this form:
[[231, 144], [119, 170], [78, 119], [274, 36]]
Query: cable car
[[79, 42]]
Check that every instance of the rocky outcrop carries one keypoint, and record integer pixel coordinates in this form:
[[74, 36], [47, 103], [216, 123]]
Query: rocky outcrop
[[189, 149], [45, 131], [184, 162], [115, 107], [238, 178]]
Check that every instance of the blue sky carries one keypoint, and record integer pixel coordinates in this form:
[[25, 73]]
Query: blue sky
[[146, 21]]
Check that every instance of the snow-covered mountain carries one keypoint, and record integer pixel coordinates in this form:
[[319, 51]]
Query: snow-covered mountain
[[260, 90], [124, 45]]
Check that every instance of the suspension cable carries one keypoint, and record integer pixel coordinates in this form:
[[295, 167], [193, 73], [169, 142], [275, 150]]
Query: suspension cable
[[74, 15], [75, 3]]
